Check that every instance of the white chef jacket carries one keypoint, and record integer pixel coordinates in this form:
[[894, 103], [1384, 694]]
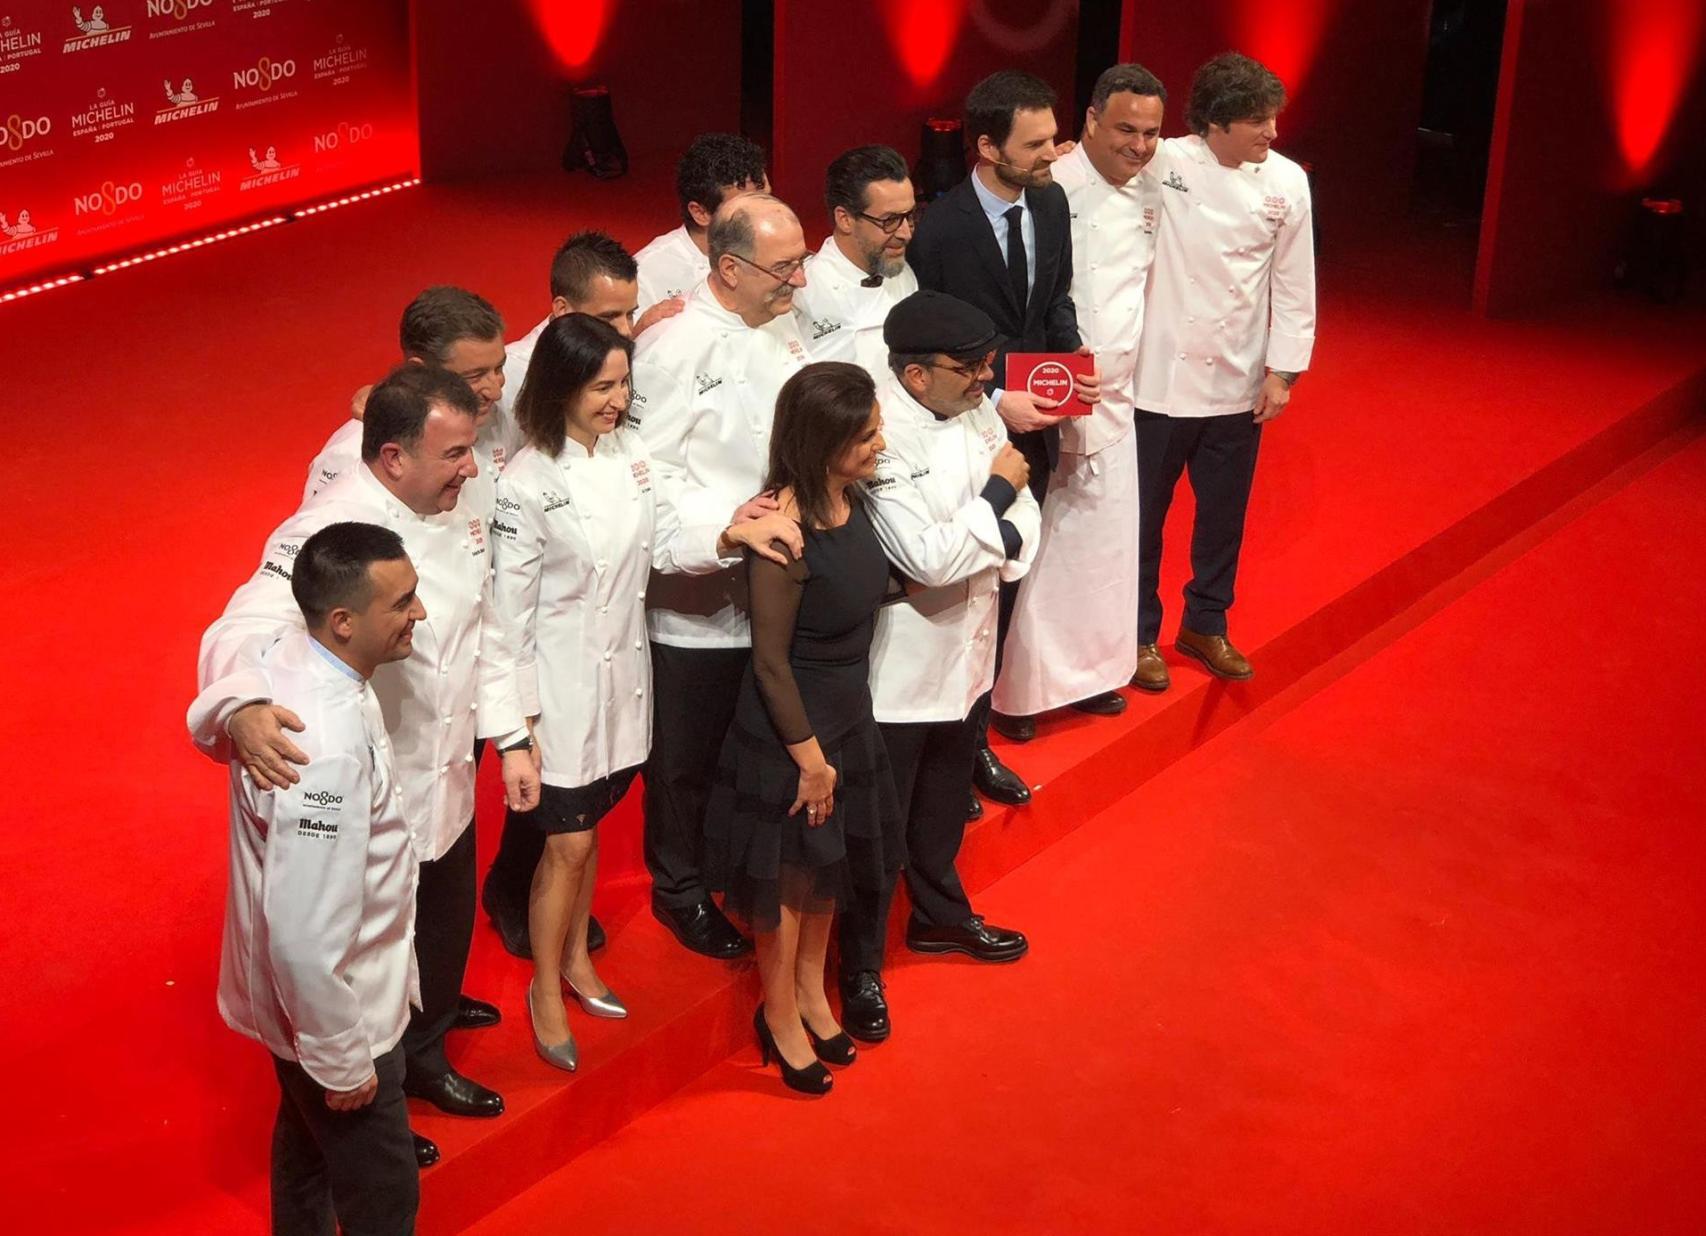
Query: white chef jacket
[[933, 655], [1232, 291], [670, 265], [432, 702], [575, 539], [318, 962], [1113, 244], [842, 321], [705, 386], [342, 453]]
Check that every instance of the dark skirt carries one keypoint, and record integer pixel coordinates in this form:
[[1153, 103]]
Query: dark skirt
[[761, 858], [578, 808]]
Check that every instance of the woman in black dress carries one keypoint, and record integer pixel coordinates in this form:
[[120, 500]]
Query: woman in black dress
[[804, 815]]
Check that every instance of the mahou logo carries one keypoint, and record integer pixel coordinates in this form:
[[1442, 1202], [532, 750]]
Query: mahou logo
[[20, 131], [263, 75], [108, 200]]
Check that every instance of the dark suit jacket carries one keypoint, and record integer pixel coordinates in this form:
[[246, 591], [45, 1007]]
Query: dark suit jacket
[[954, 251]]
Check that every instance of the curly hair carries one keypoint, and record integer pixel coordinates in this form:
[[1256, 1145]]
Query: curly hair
[[1229, 88]]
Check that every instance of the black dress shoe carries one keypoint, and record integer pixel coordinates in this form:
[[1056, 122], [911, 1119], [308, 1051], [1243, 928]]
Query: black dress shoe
[[509, 922], [595, 938], [864, 1011], [472, 1014], [704, 929], [426, 1153], [1107, 704], [1014, 729], [994, 780], [974, 808], [974, 938], [455, 1094]]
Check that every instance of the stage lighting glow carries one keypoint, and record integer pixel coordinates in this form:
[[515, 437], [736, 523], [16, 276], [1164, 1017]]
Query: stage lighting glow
[[45, 285], [922, 34], [1285, 37], [572, 29], [1655, 45]]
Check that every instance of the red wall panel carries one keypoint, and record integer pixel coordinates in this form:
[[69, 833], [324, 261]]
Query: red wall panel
[[102, 149], [495, 79], [847, 75]]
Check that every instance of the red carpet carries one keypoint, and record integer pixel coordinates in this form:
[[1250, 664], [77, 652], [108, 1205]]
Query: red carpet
[[1410, 957], [169, 414]]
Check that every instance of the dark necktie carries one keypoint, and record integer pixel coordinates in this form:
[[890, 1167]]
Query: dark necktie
[[1016, 256]]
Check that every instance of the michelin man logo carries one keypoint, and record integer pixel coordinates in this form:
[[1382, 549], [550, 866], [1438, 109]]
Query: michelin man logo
[[97, 20], [184, 97], [23, 227], [268, 164]]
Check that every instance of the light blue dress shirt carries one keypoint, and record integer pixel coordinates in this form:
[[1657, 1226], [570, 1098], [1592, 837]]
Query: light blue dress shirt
[[996, 211]]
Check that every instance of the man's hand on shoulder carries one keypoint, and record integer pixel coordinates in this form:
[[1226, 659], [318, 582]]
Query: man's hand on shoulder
[[263, 748]]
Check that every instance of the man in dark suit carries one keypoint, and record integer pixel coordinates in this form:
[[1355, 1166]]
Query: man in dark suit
[[1002, 240]]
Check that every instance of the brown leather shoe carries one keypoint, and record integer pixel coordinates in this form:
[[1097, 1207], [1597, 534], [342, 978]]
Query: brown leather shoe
[[1218, 656], [1151, 669]]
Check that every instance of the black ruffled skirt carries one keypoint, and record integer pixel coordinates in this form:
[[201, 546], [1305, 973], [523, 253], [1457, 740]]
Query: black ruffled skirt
[[761, 858]]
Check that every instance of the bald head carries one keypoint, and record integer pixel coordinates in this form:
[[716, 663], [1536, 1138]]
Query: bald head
[[757, 250]]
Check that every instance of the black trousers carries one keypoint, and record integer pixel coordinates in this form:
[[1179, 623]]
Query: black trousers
[[932, 777], [444, 931], [354, 1170], [509, 880], [694, 692], [1219, 452]]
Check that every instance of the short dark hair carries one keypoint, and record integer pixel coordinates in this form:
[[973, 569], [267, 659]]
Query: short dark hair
[[1232, 87], [570, 352], [712, 162], [585, 256], [852, 172], [440, 317], [330, 571], [398, 407], [1125, 79], [994, 101], [820, 411]]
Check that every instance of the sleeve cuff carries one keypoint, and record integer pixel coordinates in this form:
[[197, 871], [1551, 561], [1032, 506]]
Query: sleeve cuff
[[341, 1061], [1011, 541], [1289, 353], [1000, 495]]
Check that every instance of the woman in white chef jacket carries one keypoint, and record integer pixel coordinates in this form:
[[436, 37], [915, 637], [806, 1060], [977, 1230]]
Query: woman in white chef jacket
[[577, 530]]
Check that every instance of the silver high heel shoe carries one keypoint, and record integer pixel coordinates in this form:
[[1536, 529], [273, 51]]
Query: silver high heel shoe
[[608, 1005], [566, 1055]]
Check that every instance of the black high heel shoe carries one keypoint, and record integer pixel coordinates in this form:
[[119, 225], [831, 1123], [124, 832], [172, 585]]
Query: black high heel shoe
[[838, 1050], [813, 1079]]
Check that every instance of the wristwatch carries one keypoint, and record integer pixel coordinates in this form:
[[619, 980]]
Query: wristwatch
[[525, 744], [1290, 379]]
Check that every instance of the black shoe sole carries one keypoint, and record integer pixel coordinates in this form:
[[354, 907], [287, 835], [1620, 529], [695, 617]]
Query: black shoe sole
[[1202, 659], [1004, 798], [868, 1036], [931, 946]]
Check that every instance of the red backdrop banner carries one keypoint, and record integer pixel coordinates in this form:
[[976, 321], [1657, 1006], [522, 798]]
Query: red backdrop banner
[[126, 122]]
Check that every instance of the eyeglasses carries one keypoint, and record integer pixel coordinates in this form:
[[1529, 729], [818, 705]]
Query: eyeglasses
[[782, 272], [970, 372], [890, 224]]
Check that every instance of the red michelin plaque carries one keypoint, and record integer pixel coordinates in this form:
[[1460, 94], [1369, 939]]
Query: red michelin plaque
[[1048, 375]]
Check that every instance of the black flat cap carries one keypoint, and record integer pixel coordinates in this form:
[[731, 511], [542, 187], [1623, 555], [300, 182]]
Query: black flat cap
[[931, 322]]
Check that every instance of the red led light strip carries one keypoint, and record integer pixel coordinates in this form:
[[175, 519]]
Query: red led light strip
[[212, 238]]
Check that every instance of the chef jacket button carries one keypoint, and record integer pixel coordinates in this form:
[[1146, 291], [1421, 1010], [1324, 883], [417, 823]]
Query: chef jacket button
[[1231, 289], [464, 544], [639, 644], [1181, 356], [447, 720], [444, 768], [1208, 360], [638, 692], [602, 564], [604, 609], [443, 672], [607, 656], [473, 707], [469, 758], [645, 544], [640, 595]]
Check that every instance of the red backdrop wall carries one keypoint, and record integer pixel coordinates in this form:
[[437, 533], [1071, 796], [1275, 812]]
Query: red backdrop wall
[[1599, 102], [164, 117], [495, 78], [848, 75], [1353, 71]]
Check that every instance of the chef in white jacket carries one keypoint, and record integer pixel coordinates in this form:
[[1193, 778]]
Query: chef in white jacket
[[455, 330], [860, 272], [1229, 328], [705, 386], [591, 274], [581, 524], [955, 516], [418, 448], [318, 961], [1073, 638], [714, 169]]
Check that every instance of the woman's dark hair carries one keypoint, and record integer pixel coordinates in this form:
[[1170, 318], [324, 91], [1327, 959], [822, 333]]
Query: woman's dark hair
[[570, 352], [820, 412], [1230, 88]]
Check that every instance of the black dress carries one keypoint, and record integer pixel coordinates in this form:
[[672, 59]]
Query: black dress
[[812, 624]]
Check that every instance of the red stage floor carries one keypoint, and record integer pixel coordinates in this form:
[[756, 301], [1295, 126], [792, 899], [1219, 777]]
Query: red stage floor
[[170, 413]]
